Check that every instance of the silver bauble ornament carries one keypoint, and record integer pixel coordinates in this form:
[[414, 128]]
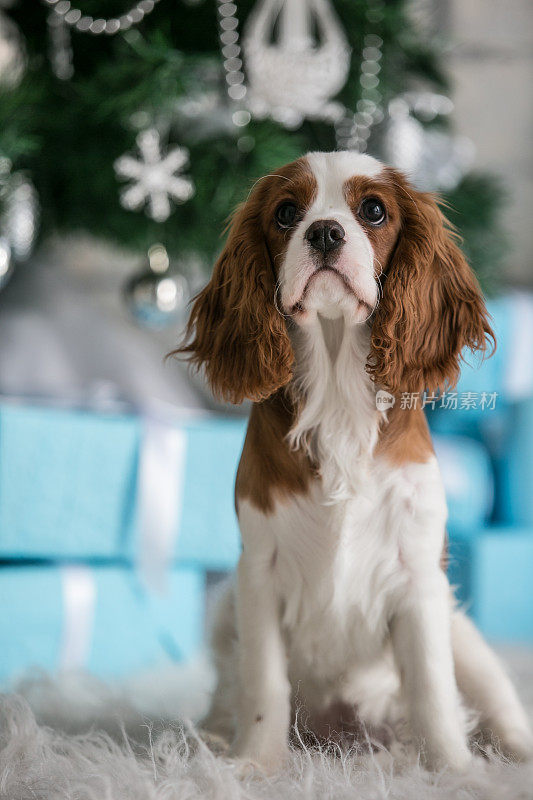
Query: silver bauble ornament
[[433, 159], [6, 261], [157, 295], [19, 221], [404, 141], [12, 54]]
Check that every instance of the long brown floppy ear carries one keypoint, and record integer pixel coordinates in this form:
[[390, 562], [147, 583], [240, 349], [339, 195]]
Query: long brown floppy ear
[[234, 329], [432, 306]]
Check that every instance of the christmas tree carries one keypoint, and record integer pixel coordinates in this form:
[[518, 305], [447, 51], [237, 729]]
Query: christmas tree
[[150, 126]]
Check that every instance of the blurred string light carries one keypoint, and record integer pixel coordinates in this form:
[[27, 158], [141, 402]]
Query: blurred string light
[[233, 68], [231, 51], [84, 23], [63, 16], [60, 48], [353, 130]]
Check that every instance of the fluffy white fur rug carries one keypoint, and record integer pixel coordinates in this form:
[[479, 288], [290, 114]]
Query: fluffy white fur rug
[[126, 756]]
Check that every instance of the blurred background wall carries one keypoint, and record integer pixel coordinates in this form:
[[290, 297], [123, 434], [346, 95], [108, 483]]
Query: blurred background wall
[[490, 58]]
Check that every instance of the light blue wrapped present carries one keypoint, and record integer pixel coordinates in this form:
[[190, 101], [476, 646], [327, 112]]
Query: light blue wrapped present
[[468, 481], [515, 467], [487, 387], [84, 485], [67, 482], [493, 572], [509, 371], [206, 531], [101, 619]]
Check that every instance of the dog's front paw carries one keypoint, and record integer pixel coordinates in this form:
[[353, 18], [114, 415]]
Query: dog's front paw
[[264, 757], [214, 741], [454, 756], [244, 768], [516, 744]]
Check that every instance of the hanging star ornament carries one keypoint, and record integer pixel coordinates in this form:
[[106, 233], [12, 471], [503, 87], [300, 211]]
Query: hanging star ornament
[[153, 175]]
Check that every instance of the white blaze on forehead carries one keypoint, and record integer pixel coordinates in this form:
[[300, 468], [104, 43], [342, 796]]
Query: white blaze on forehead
[[332, 170]]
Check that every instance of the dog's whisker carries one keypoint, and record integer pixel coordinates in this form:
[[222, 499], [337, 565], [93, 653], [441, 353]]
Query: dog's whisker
[[272, 175]]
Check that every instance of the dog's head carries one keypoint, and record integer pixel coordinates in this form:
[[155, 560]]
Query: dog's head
[[337, 235]]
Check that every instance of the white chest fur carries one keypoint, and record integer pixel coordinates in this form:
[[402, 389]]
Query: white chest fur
[[340, 570], [338, 422], [342, 555]]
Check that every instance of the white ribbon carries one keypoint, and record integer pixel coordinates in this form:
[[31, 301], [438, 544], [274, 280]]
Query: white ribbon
[[159, 492], [79, 596]]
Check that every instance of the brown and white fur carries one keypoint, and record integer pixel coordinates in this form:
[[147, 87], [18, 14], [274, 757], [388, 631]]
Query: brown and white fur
[[341, 606]]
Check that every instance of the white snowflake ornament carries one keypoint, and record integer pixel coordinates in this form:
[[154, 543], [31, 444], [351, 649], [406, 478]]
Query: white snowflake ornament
[[153, 176]]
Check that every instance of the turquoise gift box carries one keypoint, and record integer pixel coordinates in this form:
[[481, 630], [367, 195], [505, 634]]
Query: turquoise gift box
[[93, 575], [492, 570], [97, 618], [69, 486]]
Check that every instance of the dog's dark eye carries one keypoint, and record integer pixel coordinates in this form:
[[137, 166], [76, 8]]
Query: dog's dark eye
[[373, 211], [286, 214]]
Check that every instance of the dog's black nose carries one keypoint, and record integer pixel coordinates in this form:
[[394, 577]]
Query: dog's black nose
[[325, 235]]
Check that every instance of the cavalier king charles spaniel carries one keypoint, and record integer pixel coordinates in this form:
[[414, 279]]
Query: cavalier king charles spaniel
[[340, 285]]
